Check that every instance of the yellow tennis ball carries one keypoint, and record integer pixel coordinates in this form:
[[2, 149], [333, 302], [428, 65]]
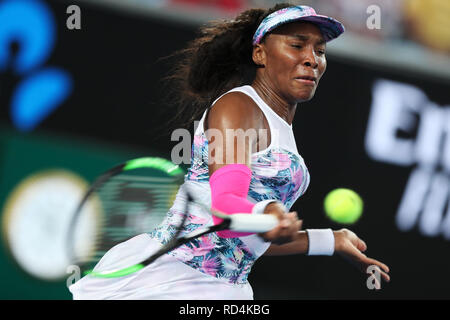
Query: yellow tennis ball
[[343, 206]]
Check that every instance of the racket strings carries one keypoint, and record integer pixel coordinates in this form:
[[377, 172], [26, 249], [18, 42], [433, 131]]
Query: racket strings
[[131, 205]]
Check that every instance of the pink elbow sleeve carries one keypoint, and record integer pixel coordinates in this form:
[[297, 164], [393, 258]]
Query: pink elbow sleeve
[[229, 189]]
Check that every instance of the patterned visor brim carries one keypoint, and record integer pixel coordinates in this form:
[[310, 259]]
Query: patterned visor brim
[[330, 27]]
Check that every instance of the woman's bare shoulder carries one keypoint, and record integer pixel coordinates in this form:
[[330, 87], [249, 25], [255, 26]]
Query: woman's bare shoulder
[[235, 110]]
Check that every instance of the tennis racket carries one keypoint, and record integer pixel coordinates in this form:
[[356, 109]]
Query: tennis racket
[[134, 198]]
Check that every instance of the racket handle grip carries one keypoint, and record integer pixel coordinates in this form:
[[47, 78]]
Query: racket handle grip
[[257, 223]]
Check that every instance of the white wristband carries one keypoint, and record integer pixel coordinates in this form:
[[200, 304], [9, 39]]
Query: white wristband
[[260, 206], [321, 242]]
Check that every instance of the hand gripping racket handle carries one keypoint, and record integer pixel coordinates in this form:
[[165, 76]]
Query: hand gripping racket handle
[[257, 223]]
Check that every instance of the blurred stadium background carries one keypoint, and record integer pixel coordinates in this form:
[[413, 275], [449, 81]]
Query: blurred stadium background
[[74, 102]]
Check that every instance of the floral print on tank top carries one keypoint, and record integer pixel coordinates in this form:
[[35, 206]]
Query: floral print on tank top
[[276, 174]]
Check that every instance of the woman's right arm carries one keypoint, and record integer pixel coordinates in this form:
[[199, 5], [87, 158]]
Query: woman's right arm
[[232, 128]]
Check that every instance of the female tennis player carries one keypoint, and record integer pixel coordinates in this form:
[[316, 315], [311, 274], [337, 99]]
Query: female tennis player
[[243, 79]]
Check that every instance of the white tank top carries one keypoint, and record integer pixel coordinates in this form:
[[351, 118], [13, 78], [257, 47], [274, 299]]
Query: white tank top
[[278, 173]]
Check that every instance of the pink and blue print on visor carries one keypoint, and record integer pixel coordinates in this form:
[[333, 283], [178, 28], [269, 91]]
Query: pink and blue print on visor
[[330, 28]]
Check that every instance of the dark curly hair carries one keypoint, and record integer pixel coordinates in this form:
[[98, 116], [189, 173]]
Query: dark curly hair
[[214, 63]]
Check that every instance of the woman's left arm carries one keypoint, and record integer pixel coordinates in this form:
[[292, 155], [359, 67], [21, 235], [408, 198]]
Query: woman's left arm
[[347, 244]]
